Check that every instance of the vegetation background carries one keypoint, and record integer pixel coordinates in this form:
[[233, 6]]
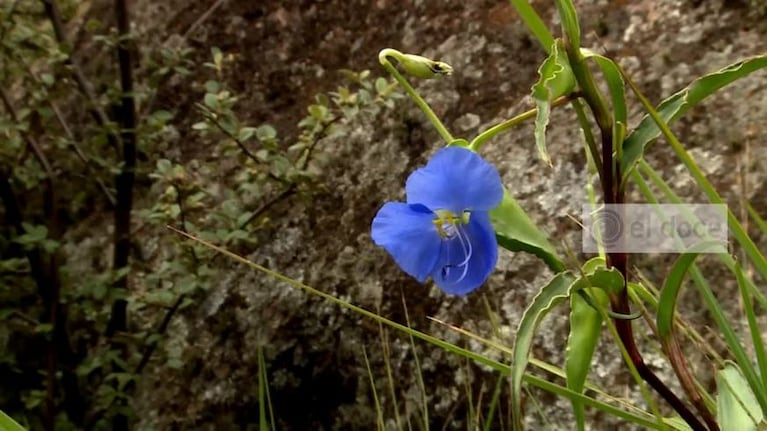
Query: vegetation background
[[234, 144]]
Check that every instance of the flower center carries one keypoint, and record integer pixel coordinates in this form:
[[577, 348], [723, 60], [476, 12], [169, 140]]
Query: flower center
[[450, 227]]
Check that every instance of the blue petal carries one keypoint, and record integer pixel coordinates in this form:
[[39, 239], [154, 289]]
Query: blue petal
[[408, 233], [455, 179], [449, 276]]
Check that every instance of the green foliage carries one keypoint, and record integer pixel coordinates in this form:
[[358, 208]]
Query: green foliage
[[679, 103], [737, 408], [554, 292], [585, 327], [516, 232], [555, 78], [8, 424], [225, 194]]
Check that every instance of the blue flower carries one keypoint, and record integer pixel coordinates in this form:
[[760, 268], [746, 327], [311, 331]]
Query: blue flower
[[444, 229]]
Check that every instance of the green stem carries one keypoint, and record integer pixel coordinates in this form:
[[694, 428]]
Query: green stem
[[490, 133], [383, 57]]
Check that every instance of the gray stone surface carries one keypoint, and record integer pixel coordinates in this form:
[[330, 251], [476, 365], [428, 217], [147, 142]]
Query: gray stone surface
[[314, 348]]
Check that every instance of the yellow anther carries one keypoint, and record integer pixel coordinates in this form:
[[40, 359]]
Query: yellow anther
[[447, 221]]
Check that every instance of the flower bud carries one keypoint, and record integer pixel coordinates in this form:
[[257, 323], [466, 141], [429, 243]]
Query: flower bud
[[422, 67]]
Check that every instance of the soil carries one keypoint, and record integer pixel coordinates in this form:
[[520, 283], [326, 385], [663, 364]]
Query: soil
[[282, 54]]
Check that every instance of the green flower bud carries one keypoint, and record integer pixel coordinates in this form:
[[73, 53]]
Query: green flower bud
[[422, 67]]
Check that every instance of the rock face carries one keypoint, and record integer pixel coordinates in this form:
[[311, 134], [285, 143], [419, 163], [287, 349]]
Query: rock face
[[317, 374]]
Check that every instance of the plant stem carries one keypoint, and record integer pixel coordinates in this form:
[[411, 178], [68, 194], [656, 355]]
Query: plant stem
[[383, 57], [124, 184], [499, 128], [86, 87], [612, 194]]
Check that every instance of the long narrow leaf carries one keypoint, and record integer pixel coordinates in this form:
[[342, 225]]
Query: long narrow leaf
[[736, 229], [534, 23], [553, 293], [585, 327], [681, 102], [753, 326], [671, 288], [8, 424]]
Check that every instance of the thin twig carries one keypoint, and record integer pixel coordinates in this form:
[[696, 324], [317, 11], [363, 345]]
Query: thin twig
[[88, 165], [286, 192], [202, 18], [47, 283], [52, 10], [46, 275], [293, 187]]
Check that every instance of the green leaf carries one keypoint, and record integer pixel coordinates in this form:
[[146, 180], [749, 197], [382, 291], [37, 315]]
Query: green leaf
[[570, 26], [211, 101], [677, 423], [515, 231], [737, 408], [246, 133], [553, 293], [667, 304], [585, 327], [671, 287], [562, 286], [217, 55], [617, 89], [554, 79], [212, 86], [678, 104], [534, 23], [318, 112], [34, 235], [265, 132], [753, 325], [640, 418]]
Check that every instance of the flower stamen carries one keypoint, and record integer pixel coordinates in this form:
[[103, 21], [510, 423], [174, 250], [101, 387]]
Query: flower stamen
[[449, 226]]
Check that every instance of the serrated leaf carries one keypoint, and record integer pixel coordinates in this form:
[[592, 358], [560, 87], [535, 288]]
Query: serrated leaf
[[515, 231], [553, 293], [554, 80], [561, 287], [678, 104], [736, 405]]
